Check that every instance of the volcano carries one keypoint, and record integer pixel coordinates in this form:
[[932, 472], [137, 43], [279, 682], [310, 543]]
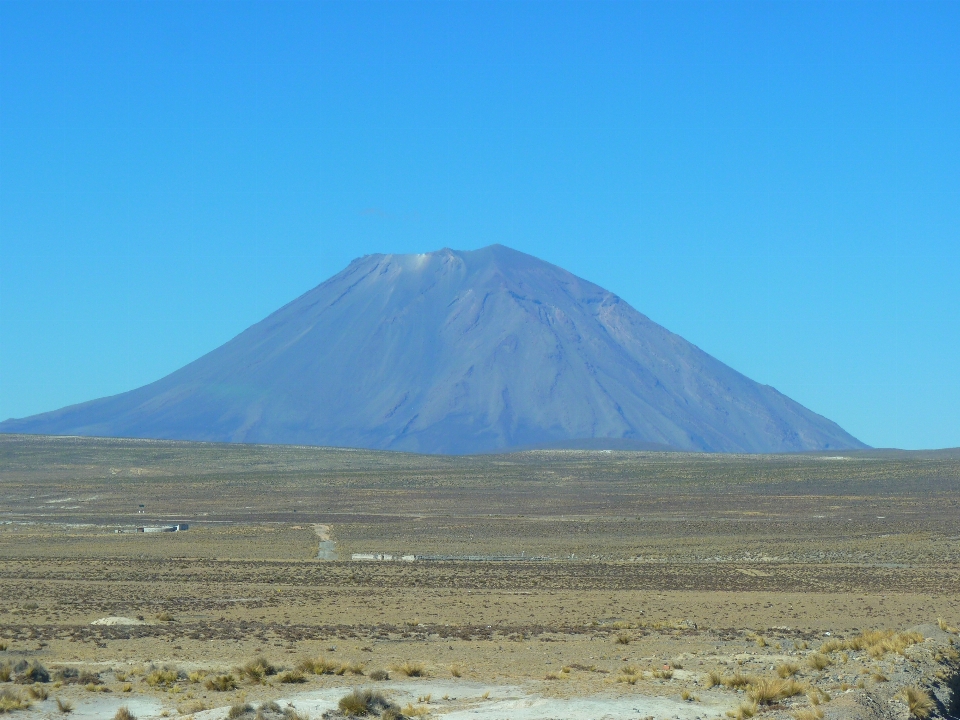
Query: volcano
[[456, 352]]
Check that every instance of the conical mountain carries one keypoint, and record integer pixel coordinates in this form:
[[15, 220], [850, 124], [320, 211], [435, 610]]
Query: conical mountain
[[455, 352]]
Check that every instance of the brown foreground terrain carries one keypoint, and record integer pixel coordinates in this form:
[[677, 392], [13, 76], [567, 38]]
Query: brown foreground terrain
[[547, 584]]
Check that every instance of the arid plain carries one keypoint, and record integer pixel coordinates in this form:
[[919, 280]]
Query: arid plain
[[546, 584]]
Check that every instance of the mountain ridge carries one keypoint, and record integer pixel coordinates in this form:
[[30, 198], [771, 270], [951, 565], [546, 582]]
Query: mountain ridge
[[455, 352]]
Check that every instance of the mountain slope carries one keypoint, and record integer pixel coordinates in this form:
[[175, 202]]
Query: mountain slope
[[455, 352]]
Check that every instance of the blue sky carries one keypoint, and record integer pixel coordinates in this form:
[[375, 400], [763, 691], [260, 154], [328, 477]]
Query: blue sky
[[778, 182]]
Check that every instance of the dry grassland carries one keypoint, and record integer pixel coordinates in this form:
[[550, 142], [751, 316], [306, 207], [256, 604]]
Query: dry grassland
[[704, 583]]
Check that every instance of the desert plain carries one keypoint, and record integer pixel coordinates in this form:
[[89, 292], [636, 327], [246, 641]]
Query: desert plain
[[542, 584]]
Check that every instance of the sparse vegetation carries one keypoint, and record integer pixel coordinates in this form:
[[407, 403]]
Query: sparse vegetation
[[64, 706], [124, 714], [819, 661], [162, 677], [381, 675], [876, 643]]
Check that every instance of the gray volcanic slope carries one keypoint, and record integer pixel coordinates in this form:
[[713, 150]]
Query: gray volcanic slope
[[455, 352]]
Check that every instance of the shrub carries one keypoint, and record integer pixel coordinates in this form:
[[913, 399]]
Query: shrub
[[363, 702], [353, 668], [819, 661], [124, 714], [319, 666], [624, 638], [66, 675], [380, 675], [411, 669], [221, 683], [88, 677], [918, 701], [195, 676], [33, 673], [6, 672]]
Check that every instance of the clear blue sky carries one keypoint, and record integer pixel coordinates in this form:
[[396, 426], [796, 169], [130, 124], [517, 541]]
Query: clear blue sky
[[778, 182]]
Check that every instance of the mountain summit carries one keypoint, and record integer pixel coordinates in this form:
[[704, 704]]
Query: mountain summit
[[456, 352]]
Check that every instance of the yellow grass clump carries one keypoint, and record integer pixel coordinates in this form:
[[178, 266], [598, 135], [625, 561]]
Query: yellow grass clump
[[766, 691], [918, 701]]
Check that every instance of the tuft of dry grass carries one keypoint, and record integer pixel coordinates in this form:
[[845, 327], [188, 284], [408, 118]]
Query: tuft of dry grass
[[819, 661], [813, 713], [164, 616], [787, 669], [292, 676], [38, 692], [64, 706], [737, 681], [381, 675], [411, 669], [746, 710], [713, 679], [257, 670], [766, 691], [195, 676], [238, 710], [162, 677], [319, 666], [10, 701], [623, 638], [456, 671], [363, 702], [221, 683], [918, 701], [124, 714]]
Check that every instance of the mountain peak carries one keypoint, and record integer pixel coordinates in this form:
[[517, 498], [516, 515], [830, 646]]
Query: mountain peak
[[456, 351]]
